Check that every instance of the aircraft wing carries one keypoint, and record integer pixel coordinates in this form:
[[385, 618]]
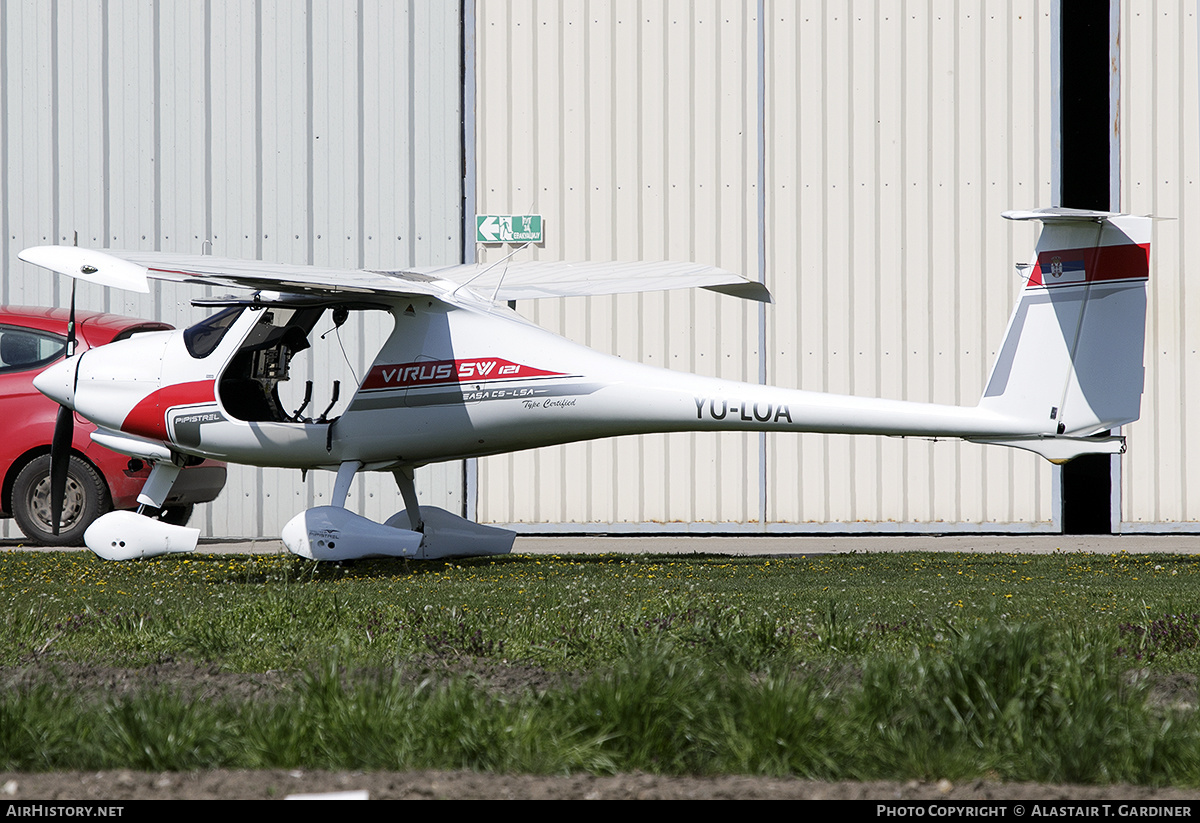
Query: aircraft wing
[[532, 279], [130, 270], [517, 281]]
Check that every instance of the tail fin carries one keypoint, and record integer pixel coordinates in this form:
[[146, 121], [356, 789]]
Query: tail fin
[[1072, 356]]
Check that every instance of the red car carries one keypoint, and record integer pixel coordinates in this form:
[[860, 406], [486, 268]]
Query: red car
[[100, 480]]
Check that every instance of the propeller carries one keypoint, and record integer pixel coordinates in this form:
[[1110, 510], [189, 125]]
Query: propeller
[[60, 458], [64, 432]]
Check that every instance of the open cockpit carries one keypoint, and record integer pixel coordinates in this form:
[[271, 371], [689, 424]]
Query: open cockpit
[[301, 360]]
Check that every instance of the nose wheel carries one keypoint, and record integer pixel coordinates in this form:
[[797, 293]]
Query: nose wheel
[[86, 499]]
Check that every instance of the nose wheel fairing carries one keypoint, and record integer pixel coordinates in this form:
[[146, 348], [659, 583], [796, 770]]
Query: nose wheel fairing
[[124, 535]]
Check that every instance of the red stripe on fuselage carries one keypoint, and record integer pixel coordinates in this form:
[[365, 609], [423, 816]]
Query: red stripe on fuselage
[[149, 417], [1128, 261]]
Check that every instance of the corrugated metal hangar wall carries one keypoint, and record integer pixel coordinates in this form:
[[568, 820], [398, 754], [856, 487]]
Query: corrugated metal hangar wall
[[1160, 175], [306, 132], [890, 138], [853, 155]]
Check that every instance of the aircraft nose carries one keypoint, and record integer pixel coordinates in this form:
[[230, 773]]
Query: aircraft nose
[[58, 382]]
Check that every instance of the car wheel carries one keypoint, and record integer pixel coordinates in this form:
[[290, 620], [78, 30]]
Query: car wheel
[[86, 498]]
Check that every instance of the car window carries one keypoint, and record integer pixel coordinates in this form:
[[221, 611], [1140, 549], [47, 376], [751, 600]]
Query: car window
[[22, 349]]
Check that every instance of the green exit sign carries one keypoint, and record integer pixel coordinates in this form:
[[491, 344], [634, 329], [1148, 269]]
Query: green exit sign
[[508, 228]]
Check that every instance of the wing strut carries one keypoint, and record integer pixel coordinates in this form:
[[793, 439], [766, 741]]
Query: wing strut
[[500, 282]]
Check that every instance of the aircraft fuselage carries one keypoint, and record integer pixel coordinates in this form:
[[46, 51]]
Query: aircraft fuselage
[[448, 383]]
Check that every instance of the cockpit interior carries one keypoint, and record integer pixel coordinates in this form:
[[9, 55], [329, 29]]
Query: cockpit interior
[[300, 363]]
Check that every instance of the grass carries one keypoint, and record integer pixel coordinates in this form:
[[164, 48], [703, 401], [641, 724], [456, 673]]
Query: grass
[[280, 612], [831, 667]]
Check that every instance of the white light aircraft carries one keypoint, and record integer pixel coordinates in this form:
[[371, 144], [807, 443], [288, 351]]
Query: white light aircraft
[[462, 375]]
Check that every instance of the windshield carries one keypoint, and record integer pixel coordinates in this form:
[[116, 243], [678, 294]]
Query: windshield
[[203, 338]]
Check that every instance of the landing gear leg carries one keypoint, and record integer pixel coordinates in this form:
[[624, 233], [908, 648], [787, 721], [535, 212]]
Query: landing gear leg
[[408, 490], [341, 486], [158, 485]]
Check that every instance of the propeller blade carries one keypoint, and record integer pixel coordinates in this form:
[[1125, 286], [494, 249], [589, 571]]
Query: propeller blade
[[60, 459], [71, 324], [64, 432]]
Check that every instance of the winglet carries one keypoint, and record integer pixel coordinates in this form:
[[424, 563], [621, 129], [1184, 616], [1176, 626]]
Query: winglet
[[89, 265], [746, 290]]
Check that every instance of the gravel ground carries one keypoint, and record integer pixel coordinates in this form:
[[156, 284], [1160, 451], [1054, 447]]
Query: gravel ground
[[222, 784]]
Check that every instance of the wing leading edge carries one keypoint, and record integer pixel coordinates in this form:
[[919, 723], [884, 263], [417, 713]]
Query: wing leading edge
[[511, 281]]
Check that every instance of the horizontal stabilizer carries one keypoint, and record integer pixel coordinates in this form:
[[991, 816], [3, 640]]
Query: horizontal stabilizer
[[1058, 214], [1060, 449]]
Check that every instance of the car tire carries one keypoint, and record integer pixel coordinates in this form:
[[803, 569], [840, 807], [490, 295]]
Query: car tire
[[86, 499], [174, 515]]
